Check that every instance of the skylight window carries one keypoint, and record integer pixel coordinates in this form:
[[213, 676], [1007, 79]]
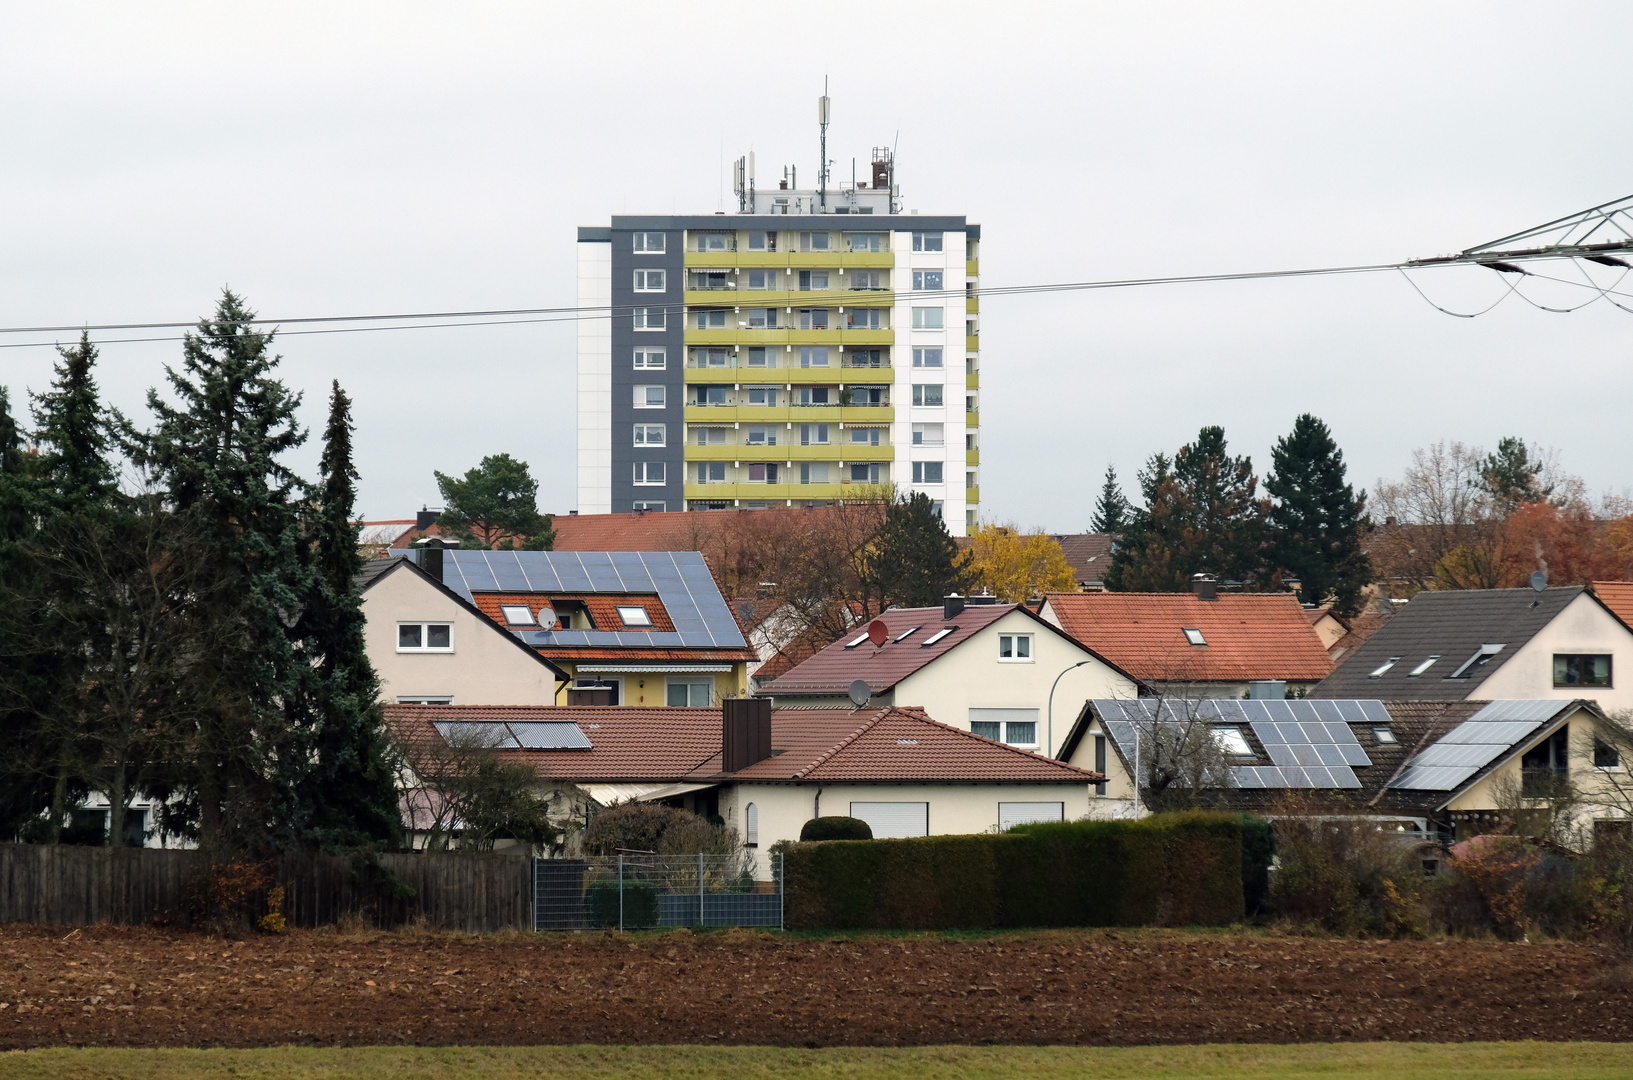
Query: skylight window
[[1232, 741], [1194, 636], [1476, 662], [633, 615], [1425, 666], [858, 641], [1384, 736], [516, 614], [937, 636], [1378, 672], [906, 634]]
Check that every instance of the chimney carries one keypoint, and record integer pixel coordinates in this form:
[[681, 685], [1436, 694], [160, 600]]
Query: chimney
[[426, 518], [745, 733], [952, 606], [1205, 586], [429, 555]]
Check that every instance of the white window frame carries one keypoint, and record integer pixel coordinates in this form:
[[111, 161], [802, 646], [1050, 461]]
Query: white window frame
[[1232, 741], [646, 318], [648, 358], [921, 394], [689, 681], [1019, 647], [644, 471], [921, 280], [653, 507], [904, 809], [643, 400], [425, 635], [651, 435], [928, 241], [751, 826], [1194, 636], [921, 472], [929, 318], [928, 358], [644, 281], [527, 618], [643, 243]]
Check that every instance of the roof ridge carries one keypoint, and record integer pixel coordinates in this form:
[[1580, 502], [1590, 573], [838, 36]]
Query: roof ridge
[[828, 754]]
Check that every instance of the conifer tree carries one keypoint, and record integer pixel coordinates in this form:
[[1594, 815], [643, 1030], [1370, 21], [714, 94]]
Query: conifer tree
[[913, 560], [76, 472], [1317, 520], [495, 505], [25, 783], [1111, 510], [349, 797]]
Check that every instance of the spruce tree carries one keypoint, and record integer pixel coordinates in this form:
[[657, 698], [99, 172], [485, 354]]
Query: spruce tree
[[1317, 520], [348, 795], [1111, 510], [75, 469], [217, 453], [914, 561]]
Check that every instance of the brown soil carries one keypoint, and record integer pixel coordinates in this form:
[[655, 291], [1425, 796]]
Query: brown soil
[[141, 987]]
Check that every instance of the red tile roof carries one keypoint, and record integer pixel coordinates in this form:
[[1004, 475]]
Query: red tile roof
[[675, 531], [1249, 635], [832, 670], [687, 656], [633, 744], [603, 608], [1618, 597]]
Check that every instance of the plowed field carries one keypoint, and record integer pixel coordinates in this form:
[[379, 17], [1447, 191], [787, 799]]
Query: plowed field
[[141, 987]]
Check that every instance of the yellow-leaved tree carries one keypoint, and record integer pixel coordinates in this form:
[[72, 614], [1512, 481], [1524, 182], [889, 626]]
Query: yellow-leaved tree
[[1016, 566]]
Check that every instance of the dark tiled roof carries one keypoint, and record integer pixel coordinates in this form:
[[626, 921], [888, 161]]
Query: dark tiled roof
[[832, 670], [1089, 554], [1249, 635], [1453, 625]]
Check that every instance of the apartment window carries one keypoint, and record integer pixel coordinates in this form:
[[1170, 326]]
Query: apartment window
[[762, 318], [927, 280], [1015, 647], [929, 434], [865, 474], [813, 319], [867, 242], [649, 281], [813, 241], [649, 243], [867, 395], [710, 280], [865, 436], [812, 279], [650, 397], [1581, 670], [762, 279], [649, 474], [717, 241], [710, 395], [969, 440], [970, 483], [516, 614], [650, 360], [650, 434], [425, 637], [813, 434], [762, 395], [927, 318], [926, 241], [926, 358], [762, 434], [707, 358], [867, 279], [762, 473], [654, 507], [927, 394], [1194, 636], [969, 403], [646, 318], [863, 319], [813, 356], [709, 436], [711, 472], [757, 357], [711, 320], [762, 241], [815, 395], [815, 472], [927, 472], [1017, 727], [697, 694]]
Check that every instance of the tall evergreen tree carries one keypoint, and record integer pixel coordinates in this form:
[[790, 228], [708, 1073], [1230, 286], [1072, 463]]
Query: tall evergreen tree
[[1513, 475], [25, 778], [495, 505], [1317, 519], [348, 795], [1111, 510], [76, 470], [217, 453], [913, 560]]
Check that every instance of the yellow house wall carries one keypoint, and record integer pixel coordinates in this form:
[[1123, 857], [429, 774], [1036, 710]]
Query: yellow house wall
[[1583, 627], [1590, 783], [648, 688]]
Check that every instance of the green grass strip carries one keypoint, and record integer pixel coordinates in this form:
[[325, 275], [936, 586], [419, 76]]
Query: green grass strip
[[1330, 1061]]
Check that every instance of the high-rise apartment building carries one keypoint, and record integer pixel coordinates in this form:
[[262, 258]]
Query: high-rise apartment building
[[808, 348]]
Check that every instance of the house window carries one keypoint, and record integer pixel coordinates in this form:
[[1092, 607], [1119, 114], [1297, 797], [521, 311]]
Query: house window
[[650, 360], [425, 699], [516, 614], [927, 279], [927, 394], [1581, 670], [425, 637], [867, 242], [711, 320], [1378, 672], [711, 472], [865, 436], [649, 243], [1017, 727], [649, 281], [649, 397], [813, 434], [1100, 763], [1383, 736], [927, 318], [762, 434], [654, 507], [926, 358], [894, 820], [1606, 756], [1016, 648], [1194, 636], [751, 826], [699, 694], [634, 615], [928, 472], [813, 472], [649, 474], [1475, 662], [762, 241], [650, 434], [926, 241], [1232, 741], [648, 318], [1544, 767], [929, 434]]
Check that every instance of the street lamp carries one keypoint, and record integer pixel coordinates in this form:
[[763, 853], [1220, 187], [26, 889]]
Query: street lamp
[[1050, 745]]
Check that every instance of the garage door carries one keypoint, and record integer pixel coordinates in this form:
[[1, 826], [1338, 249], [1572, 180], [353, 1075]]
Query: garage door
[[1011, 814], [890, 820]]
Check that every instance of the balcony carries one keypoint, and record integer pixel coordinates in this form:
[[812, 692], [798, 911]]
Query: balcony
[[972, 342], [836, 451], [785, 336], [972, 305], [972, 457], [972, 267], [972, 419], [972, 381], [972, 494], [789, 414], [842, 490], [799, 260]]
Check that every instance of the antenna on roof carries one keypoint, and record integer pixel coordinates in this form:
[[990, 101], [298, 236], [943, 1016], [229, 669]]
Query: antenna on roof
[[860, 693], [822, 122], [1539, 580]]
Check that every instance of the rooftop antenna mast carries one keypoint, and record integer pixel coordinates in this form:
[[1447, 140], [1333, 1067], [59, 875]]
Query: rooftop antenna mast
[[822, 122]]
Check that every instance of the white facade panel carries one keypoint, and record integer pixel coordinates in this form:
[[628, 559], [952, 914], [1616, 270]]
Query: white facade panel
[[949, 338], [594, 379]]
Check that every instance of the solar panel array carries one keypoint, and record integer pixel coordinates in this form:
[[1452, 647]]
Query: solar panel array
[[516, 735], [1476, 743], [680, 578], [1309, 742]]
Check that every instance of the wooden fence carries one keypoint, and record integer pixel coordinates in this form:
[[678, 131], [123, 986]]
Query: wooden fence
[[79, 886]]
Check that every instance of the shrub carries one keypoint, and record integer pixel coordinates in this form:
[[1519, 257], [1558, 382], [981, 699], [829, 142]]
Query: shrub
[[1346, 875], [637, 901], [836, 827], [654, 827]]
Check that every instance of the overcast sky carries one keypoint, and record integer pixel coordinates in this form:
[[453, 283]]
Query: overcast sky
[[349, 158]]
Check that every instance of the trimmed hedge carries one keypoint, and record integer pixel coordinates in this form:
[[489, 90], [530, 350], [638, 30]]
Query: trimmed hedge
[[836, 827], [1166, 870]]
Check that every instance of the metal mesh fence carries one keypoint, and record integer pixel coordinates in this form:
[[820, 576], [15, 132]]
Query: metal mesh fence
[[639, 891]]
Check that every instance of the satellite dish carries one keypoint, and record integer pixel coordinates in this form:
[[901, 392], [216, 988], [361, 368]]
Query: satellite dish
[[860, 693], [1539, 580], [878, 632], [547, 618]]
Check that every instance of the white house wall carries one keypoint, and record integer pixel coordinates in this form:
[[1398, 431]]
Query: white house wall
[[594, 379], [1583, 627]]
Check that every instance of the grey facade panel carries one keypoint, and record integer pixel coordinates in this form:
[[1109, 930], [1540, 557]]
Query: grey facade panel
[[625, 261], [593, 234]]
